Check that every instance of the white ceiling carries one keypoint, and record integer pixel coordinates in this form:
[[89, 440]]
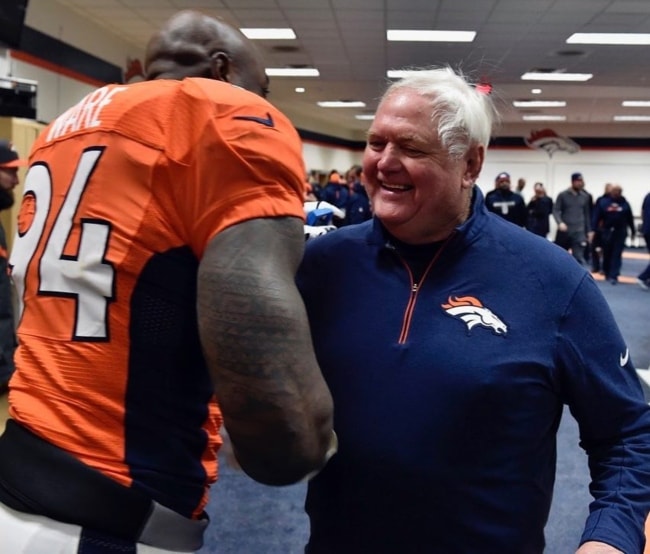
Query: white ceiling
[[346, 41]]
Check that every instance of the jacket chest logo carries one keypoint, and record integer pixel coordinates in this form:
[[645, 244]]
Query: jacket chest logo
[[471, 311]]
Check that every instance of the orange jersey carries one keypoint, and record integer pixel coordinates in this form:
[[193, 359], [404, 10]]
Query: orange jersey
[[123, 193]]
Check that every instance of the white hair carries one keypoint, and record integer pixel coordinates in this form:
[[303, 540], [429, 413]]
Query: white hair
[[464, 115]]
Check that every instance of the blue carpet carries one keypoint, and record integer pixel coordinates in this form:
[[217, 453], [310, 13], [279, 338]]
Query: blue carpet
[[249, 518]]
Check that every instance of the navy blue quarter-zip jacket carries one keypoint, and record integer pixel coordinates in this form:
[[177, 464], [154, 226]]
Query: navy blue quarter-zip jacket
[[449, 390]]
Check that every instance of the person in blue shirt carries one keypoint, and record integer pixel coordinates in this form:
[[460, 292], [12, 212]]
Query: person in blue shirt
[[358, 208], [448, 382], [336, 192], [612, 216]]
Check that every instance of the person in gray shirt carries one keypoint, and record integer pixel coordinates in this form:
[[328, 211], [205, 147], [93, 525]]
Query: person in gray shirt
[[572, 212]]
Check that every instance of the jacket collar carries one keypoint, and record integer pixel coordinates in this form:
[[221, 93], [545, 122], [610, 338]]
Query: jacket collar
[[464, 234]]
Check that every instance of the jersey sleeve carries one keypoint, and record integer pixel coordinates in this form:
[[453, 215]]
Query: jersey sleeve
[[241, 159]]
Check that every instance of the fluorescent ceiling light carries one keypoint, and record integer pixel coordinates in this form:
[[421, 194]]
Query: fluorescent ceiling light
[[539, 103], [341, 104], [429, 36], [299, 89], [544, 76], [609, 38], [265, 34], [632, 118], [536, 91], [365, 117], [292, 72], [544, 117], [636, 103]]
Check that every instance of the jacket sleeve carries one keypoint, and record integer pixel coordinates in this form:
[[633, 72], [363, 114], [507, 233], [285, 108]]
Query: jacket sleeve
[[605, 397]]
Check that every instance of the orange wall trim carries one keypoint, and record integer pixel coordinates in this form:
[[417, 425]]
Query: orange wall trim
[[38, 62]]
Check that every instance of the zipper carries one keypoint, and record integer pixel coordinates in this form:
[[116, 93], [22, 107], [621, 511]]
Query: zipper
[[415, 289]]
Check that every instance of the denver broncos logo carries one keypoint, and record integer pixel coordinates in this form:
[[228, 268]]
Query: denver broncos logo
[[472, 312]]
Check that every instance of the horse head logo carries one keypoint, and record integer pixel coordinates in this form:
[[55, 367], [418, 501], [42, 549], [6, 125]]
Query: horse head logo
[[472, 312]]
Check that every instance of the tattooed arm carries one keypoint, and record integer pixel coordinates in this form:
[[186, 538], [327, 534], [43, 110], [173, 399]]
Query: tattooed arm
[[257, 343]]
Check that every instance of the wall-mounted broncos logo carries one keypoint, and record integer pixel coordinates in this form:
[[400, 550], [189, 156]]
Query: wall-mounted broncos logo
[[472, 312], [549, 141]]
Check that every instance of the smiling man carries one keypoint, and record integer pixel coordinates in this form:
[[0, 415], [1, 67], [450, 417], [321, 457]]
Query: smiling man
[[448, 384]]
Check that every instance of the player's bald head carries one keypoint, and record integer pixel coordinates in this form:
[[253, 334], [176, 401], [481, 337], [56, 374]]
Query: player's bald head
[[192, 44]]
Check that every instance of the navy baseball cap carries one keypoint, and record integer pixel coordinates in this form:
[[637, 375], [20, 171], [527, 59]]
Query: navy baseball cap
[[9, 157], [503, 175], [575, 176]]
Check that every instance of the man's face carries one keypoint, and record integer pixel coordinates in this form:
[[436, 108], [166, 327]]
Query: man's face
[[503, 183], [578, 184], [8, 181], [418, 192]]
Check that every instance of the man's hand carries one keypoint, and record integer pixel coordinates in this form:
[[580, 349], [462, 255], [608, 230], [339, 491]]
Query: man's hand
[[595, 547], [562, 226]]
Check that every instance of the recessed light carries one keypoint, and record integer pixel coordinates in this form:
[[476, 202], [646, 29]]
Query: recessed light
[[544, 117], [413, 35], [292, 72], [365, 117], [342, 104], [610, 38], [268, 33], [636, 103], [552, 76], [299, 89], [536, 91], [539, 103]]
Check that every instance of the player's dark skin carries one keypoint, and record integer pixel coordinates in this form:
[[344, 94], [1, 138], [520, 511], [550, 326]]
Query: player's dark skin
[[252, 322]]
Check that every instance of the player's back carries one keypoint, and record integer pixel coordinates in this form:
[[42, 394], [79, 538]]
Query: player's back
[[123, 193]]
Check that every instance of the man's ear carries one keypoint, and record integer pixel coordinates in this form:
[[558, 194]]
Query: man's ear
[[473, 164], [220, 66]]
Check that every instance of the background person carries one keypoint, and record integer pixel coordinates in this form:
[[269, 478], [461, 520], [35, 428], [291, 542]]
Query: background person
[[145, 296], [612, 215], [506, 203], [596, 243], [358, 207], [644, 277], [572, 213], [539, 210], [448, 402], [521, 185], [9, 164], [336, 192]]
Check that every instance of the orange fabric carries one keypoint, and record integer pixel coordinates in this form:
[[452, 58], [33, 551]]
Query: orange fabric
[[165, 164]]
